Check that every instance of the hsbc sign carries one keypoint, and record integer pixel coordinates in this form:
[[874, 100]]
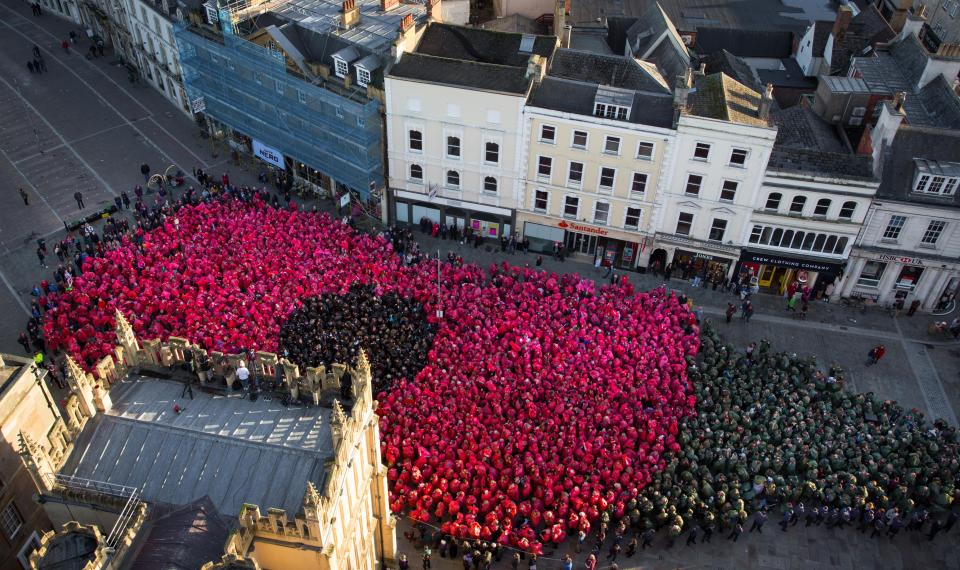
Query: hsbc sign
[[268, 154]]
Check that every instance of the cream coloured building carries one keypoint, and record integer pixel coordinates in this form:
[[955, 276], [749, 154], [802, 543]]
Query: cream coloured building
[[598, 129], [454, 109]]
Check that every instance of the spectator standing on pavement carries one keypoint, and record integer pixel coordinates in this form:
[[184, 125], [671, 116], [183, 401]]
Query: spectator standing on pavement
[[37, 66], [79, 198], [758, 519], [25, 197], [42, 256], [730, 311], [145, 171], [66, 46], [24, 342], [30, 65], [875, 354]]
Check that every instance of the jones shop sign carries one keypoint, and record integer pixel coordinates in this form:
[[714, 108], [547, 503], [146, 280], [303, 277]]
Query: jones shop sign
[[268, 154]]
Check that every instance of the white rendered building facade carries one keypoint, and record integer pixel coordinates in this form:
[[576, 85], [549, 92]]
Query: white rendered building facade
[[157, 57]]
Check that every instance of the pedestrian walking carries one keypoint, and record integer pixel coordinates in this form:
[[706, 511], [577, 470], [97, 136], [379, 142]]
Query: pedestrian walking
[[73, 37], [36, 52], [735, 532], [951, 520], [24, 196], [935, 527], [875, 354], [36, 65], [866, 519], [798, 513], [613, 552], [647, 538], [42, 256], [758, 521], [748, 312], [145, 171], [730, 311], [24, 342], [878, 525], [65, 45], [787, 517], [692, 537], [118, 202], [79, 198], [125, 199], [708, 532], [30, 65]]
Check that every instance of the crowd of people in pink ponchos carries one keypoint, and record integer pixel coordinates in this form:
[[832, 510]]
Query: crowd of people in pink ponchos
[[544, 400]]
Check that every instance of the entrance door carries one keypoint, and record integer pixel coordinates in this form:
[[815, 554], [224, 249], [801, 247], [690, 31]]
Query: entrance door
[[454, 220], [766, 275], [580, 243]]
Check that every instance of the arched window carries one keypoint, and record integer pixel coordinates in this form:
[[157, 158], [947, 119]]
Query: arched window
[[453, 147], [787, 238], [777, 236], [841, 246], [489, 184], [492, 153], [818, 244], [453, 179], [797, 240], [846, 212], [765, 236], [796, 207], [808, 241], [416, 172], [831, 244], [773, 201], [823, 206]]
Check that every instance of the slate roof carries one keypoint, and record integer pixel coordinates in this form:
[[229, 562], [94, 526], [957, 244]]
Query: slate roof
[[866, 29], [184, 539], [375, 31], [719, 96], [821, 33], [745, 43], [470, 74], [911, 58], [481, 46], [689, 15], [669, 54], [808, 144], [227, 447], [791, 76], [648, 28], [578, 97], [725, 62], [899, 166], [615, 71]]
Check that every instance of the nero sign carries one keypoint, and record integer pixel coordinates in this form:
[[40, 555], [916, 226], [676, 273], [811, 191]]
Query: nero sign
[[268, 154]]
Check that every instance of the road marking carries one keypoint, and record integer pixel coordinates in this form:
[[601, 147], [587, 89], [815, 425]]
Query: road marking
[[928, 380], [74, 141], [16, 297], [55, 56], [30, 184]]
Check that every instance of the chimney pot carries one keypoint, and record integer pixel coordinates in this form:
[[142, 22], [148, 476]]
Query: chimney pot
[[766, 102], [387, 5], [406, 23], [898, 100]]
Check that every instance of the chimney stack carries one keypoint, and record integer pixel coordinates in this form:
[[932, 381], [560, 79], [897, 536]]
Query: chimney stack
[[840, 25], [349, 14], [406, 23], [913, 23], [387, 5], [898, 98], [949, 50], [435, 10], [701, 71], [682, 88], [559, 18], [766, 101]]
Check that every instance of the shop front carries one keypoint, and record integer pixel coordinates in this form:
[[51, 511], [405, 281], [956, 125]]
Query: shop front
[[609, 246], [692, 257], [771, 273], [411, 207], [891, 277]]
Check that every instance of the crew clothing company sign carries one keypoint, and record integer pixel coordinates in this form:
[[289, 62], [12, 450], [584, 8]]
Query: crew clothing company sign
[[268, 154]]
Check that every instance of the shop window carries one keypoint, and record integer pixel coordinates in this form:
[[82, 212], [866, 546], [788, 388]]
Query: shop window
[[453, 147], [548, 134], [416, 173], [693, 184], [894, 227], [490, 184], [773, 201], [453, 179], [847, 210], [601, 212], [492, 153], [611, 145], [932, 233], [541, 200], [632, 220], [684, 224], [10, 521], [571, 207], [796, 207], [717, 230], [728, 192], [639, 185], [544, 168], [645, 151], [579, 140], [908, 278], [701, 152], [607, 177], [738, 157], [415, 140], [575, 174], [823, 206], [871, 274]]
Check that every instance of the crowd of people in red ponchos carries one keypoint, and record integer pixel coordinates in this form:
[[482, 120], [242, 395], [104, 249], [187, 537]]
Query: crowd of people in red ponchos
[[544, 401]]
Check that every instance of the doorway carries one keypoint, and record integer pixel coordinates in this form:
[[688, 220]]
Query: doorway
[[580, 243]]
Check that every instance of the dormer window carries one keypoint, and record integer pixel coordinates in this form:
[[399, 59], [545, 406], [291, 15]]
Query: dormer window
[[938, 178], [365, 68], [340, 67], [611, 111], [342, 60], [363, 77], [613, 103]]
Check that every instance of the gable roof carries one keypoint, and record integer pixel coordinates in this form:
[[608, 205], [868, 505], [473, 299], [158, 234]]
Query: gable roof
[[806, 143], [185, 538], [481, 46], [616, 71], [719, 96], [649, 28], [725, 62], [899, 163], [866, 29], [745, 43]]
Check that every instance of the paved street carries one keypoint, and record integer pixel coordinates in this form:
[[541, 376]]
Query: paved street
[[83, 127]]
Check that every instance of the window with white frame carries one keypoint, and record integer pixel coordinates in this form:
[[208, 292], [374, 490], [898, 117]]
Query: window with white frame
[[694, 181], [31, 545], [701, 152], [738, 157], [548, 134], [607, 178], [579, 139], [301, 97], [491, 153], [822, 207], [894, 227], [363, 77], [571, 207], [278, 85], [932, 233], [257, 78], [717, 230], [544, 167], [415, 140], [453, 147], [10, 521], [728, 192], [773, 201], [645, 151], [796, 207], [453, 179], [871, 274], [638, 185], [601, 213], [611, 145], [340, 67], [416, 173], [847, 210], [541, 200], [684, 223], [941, 185], [632, 219], [575, 174], [490, 184], [611, 111]]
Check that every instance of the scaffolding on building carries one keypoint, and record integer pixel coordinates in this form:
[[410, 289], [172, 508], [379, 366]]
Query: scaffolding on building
[[248, 88]]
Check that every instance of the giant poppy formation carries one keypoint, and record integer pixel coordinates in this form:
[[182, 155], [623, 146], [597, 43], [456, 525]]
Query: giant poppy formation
[[543, 402]]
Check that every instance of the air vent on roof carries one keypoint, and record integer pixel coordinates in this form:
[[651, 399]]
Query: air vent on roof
[[526, 43]]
